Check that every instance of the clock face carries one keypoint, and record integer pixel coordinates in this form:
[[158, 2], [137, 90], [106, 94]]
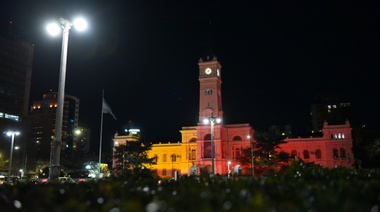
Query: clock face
[[208, 70]]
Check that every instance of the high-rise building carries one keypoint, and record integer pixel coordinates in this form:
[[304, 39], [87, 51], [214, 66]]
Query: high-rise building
[[16, 61], [43, 115], [330, 108]]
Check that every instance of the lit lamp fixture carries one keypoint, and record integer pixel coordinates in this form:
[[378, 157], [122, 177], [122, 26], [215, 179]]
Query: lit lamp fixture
[[12, 134], [54, 29], [229, 171], [212, 121]]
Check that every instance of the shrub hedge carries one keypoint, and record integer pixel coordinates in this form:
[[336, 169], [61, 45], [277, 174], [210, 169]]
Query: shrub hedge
[[299, 188]]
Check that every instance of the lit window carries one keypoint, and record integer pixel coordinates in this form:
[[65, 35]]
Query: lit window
[[329, 106], [342, 135], [334, 106]]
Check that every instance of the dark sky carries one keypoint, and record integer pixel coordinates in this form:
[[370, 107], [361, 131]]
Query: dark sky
[[277, 57]]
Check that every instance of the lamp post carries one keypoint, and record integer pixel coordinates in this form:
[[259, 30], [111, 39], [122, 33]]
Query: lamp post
[[252, 157], [229, 171], [212, 121], [12, 134], [55, 153]]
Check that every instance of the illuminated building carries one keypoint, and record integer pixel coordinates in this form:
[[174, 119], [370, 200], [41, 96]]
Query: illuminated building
[[194, 152], [43, 124], [16, 61]]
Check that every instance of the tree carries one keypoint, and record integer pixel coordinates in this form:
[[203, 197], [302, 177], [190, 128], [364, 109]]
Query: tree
[[266, 145], [264, 153], [132, 157], [3, 163]]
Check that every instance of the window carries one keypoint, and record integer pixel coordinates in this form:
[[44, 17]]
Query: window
[[207, 150], [237, 138], [155, 158], [306, 154], [193, 154], [164, 158], [174, 158], [163, 172], [294, 153], [342, 153], [318, 154], [193, 140], [335, 153], [208, 92], [207, 137]]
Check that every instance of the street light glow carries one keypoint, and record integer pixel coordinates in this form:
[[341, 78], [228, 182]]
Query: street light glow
[[53, 29], [9, 133], [80, 24]]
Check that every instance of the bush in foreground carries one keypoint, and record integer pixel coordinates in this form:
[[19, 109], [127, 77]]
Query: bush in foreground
[[300, 188]]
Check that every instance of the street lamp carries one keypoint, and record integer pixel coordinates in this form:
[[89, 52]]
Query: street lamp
[[12, 134], [229, 171], [252, 157], [55, 153], [212, 121]]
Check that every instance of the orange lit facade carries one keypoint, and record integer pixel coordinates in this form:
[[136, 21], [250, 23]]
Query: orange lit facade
[[194, 151]]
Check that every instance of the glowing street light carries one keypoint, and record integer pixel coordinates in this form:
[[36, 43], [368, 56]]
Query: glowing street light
[[54, 29], [212, 121], [252, 157], [229, 171], [12, 134]]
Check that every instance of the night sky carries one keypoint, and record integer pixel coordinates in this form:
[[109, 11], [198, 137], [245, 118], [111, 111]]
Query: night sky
[[277, 57]]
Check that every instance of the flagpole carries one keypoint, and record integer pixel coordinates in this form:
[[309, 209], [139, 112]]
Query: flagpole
[[101, 135]]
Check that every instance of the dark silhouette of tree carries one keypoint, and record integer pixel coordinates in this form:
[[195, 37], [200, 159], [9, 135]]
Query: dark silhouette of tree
[[264, 150], [132, 157]]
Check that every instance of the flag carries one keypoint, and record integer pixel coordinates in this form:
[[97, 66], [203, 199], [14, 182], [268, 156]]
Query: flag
[[106, 109]]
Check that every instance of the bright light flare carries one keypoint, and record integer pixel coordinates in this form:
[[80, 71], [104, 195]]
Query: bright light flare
[[9, 133], [53, 29], [80, 24]]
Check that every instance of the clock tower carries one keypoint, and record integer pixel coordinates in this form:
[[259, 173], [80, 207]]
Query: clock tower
[[210, 92]]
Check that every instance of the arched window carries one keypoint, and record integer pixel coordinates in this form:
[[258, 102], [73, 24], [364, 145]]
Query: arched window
[[237, 138], [335, 153], [193, 154], [193, 140], [318, 154], [164, 158], [342, 153], [306, 154], [174, 157], [207, 137], [294, 153]]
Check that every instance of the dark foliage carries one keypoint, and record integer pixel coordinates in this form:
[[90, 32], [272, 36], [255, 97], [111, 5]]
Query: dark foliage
[[300, 187], [132, 157]]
